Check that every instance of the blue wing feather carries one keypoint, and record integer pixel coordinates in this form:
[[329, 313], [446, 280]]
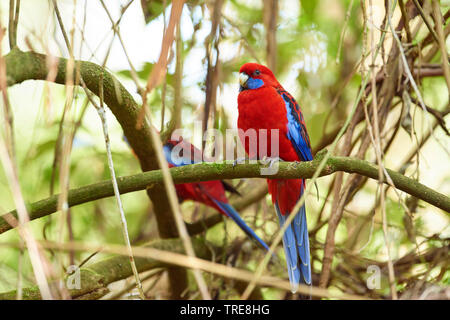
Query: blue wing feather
[[297, 133]]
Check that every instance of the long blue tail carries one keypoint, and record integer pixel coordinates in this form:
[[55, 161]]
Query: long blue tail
[[229, 210], [296, 248]]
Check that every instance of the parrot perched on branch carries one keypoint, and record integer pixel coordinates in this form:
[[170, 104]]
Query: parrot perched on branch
[[264, 104], [210, 193]]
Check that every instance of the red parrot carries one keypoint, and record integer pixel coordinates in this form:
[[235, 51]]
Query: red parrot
[[210, 193], [264, 104]]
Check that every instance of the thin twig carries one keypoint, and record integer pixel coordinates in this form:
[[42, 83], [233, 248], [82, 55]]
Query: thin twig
[[101, 112], [150, 275], [270, 13], [164, 88], [442, 42], [405, 63], [344, 28], [175, 120], [66, 150], [425, 19], [7, 157], [61, 24], [11, 32], [406, 21], [116, 30], [160, 68], [37, 259], [379, 156], [212, 69]]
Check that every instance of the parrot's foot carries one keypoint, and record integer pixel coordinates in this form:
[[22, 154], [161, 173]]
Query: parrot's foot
[[270, 160], [272, 168], [238, 161]]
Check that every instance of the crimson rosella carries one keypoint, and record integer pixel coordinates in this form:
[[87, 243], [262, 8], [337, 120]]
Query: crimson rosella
[[210, 193], [264, 104]]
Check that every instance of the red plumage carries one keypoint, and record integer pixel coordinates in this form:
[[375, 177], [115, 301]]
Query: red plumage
[[203, 192], [286, 192], [206, 192], [264, 108]]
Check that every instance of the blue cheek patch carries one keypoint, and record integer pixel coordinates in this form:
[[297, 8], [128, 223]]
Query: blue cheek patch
[[254, 83]]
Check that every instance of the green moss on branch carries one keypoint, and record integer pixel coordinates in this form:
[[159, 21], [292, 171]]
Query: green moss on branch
[[22, 66], [214, 171]]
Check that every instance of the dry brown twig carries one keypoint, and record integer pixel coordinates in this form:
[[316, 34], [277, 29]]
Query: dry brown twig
[[160, 68]]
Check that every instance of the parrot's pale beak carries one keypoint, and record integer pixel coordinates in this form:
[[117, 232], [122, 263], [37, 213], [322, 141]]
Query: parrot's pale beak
[[243, 78]]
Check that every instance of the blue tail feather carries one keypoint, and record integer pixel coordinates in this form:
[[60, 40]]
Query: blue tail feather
[[301, 232], [232, 213], [290, 250], [296, 246]]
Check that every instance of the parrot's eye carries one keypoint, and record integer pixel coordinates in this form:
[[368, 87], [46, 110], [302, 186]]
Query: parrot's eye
[[257, 72]]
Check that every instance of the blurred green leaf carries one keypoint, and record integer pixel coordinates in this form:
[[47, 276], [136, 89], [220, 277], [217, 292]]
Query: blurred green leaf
[[153, 8]]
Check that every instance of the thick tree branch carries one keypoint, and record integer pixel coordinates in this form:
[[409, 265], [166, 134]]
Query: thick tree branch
[[22, 66], [214, 171]]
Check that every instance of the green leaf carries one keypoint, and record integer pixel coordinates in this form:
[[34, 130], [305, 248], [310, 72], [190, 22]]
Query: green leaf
[[153, 9]]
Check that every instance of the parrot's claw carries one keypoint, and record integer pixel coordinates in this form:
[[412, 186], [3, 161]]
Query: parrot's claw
[[238, 161], [270, 160], [271, 169]]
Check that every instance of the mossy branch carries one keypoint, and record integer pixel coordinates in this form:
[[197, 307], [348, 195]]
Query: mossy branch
[[22, 66], [214, 171]]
